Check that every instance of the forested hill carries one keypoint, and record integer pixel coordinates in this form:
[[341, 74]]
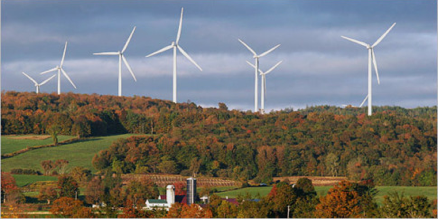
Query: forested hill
[[395, 146]]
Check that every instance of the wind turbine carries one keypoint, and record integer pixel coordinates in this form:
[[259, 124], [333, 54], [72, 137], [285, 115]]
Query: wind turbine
[[36, 84], [175, 46], [263, 74], [59, 68], [256, 58], [371, 58], [121, 56]]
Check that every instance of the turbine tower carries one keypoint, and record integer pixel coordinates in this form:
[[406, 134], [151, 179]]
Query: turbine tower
[[175, 45], [59, 68], [36, 84], [256, 59], [263, 74], [371, 58], [121, 57]]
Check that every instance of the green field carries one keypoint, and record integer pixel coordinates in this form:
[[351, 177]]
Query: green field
[[23, 180], [429, 192], [11, 144], [78, 154]]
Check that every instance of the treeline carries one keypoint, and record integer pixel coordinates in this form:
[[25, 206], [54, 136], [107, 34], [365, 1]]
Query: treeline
[[395, 146]]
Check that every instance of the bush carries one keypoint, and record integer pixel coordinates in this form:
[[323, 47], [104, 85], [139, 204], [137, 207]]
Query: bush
[[26, 171]]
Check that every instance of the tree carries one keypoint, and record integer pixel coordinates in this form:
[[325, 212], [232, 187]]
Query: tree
[[139, 190], [168, 166], [195, 211], [84, 212], [8, 185], [48, 193], [94, 191], [48, 166], [332, 163], [65, 207], [81, 174], [61, 164], [227, 210], [395, 205], [68, 187], [305, 187], [81, 127], [341, 201], [283, 196], [54, 130]]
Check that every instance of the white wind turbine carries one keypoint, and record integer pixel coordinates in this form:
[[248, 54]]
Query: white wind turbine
[[121, 56], [59, 69], [175, 46], [371, 58], [256, 58], [263, 74], [36, 84]]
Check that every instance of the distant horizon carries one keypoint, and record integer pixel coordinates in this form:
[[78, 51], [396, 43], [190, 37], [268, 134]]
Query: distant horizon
[[229, 107], [319, 67]]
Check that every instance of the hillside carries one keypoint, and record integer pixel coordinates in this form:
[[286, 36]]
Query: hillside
[[395, 146]]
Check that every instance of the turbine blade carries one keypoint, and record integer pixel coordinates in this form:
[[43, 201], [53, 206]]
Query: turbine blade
[[249, 48], [129, 39], [375, 65], [260, 71], [275, 66], [180, 26], [188, 57], [356, 41], [53, 69], [264, 84], [383, 36], [267, 52], [30, 78], [47, 80], [363, 101], [65, 74], [106, 53], [63, 55], [161, 50], [249, 63], [129, 67]]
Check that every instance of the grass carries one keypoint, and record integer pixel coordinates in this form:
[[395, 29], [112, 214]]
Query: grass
[[13, 143], [23, 180], [429, 192], [78, 154]]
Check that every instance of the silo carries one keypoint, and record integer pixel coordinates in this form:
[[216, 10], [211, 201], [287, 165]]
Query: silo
[[191, 190], [170, 195]]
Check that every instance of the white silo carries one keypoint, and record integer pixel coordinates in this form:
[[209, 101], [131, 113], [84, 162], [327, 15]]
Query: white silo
[[170, 195]]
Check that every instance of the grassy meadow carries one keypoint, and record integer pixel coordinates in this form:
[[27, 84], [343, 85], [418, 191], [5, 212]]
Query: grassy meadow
[[12, 143], [78, 153], [429, 192], [23, 180]]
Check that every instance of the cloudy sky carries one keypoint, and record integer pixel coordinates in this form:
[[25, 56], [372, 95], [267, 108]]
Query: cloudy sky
[[319, 67]]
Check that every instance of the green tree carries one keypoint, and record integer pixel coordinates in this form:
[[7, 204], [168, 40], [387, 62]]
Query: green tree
[[54, 130]]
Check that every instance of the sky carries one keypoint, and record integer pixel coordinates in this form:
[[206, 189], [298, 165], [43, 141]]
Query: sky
[[319, 67]]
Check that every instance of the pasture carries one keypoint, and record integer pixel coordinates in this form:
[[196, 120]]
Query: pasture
[[12, 143], [429, 192], [23, 180], [79, 153]]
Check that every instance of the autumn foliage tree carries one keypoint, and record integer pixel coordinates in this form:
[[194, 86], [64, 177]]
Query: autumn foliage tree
[[65, 207], [8, 186], [341, 201]]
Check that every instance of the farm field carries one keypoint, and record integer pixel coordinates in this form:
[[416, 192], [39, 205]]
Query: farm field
[[78, 154], [23, 180], [429, 192], [12, 143]]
